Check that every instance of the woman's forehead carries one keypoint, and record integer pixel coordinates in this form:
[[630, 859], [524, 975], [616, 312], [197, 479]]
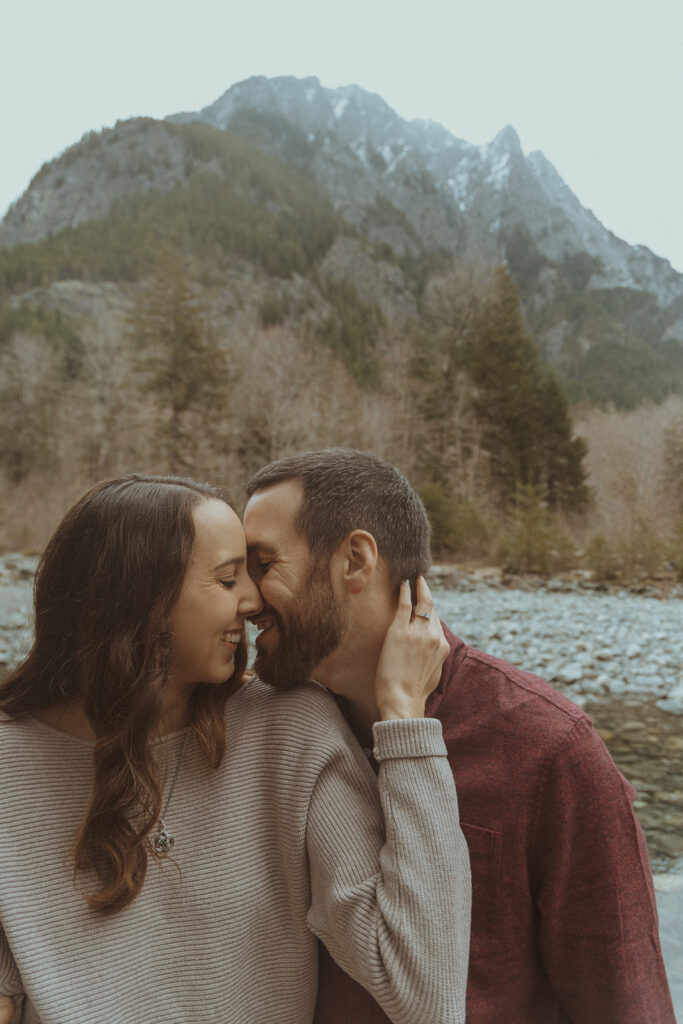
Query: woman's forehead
[[219, 536]]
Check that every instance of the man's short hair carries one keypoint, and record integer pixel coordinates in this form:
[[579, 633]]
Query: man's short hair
[[345, 490]]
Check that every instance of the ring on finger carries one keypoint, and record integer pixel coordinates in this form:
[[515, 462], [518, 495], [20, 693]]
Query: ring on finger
[[423, 615]]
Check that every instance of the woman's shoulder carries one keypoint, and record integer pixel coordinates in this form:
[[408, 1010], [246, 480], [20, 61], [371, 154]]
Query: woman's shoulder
[[310, 697], [29, 740], [42, 771], [15, 732], [307, 707]]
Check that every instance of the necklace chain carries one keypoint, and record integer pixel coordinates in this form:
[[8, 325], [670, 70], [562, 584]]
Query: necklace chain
[[162, 841]]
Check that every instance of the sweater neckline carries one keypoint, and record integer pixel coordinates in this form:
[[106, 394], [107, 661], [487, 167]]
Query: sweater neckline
[[89, 744]]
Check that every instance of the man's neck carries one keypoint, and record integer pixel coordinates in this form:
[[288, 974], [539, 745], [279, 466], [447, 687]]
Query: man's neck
[[349, 672]]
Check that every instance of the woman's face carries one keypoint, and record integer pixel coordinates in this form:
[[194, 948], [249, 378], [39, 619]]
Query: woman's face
[[217, 595]]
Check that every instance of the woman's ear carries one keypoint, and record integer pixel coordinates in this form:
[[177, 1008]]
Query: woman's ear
[[358, 560]]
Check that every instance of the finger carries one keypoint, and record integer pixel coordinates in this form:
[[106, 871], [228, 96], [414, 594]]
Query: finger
[[424, 605], [423, 595], [405, 602]]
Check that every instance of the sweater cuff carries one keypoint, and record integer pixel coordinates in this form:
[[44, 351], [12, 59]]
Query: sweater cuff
[[408, 737]]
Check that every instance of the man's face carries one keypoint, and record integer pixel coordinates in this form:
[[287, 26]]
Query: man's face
[[302, 621]]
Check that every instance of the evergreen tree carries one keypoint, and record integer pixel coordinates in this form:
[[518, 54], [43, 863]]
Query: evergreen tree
[[446, 431], [182, 369], [673, 462], [522, 412]]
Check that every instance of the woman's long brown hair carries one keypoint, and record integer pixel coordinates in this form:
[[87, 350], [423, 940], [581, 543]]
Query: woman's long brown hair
[[104, 589]]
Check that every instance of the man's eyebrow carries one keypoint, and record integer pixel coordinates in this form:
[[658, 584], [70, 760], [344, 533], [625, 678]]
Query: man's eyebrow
[[230, 561], [267, 549]]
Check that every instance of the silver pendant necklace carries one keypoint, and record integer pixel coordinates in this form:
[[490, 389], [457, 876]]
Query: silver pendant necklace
[[162, 841]]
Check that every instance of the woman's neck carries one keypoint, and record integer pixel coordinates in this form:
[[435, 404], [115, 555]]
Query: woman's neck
[[72, 719]]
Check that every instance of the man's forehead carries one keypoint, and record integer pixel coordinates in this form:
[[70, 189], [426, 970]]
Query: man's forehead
[[271, 512]]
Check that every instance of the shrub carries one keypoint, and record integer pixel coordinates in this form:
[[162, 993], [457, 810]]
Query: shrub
[[676, 548], [459, 526], [533, 539], [274, 309], [601, 558], [640, 548]]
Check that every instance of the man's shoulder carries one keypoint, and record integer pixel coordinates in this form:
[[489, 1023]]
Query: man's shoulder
[[524, 685], [489, 689]]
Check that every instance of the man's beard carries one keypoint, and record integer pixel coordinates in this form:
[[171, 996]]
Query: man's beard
[[313, 629]]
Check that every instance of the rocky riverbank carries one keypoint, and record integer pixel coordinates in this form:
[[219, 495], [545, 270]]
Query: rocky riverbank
[[16, 608]]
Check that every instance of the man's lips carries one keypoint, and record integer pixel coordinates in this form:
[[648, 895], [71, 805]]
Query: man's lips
[[263, 626]]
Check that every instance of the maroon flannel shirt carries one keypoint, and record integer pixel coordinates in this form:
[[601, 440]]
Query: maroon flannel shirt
[[564, 922]]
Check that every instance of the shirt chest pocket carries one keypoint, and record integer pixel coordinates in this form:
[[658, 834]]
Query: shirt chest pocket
[[485, 848]]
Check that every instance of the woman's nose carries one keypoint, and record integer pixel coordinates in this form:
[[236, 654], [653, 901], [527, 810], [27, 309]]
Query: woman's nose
[[251, 602]]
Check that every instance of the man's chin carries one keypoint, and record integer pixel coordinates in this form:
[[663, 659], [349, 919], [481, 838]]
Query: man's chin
[[276, 672], [266, 642]]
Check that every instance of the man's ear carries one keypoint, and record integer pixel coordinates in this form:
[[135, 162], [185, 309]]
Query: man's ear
[[358, 553]]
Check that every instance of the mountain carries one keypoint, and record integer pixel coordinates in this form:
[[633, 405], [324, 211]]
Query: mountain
[[401, 198], [488, 191]]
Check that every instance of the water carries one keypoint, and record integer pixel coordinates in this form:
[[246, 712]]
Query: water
[[669, 889]]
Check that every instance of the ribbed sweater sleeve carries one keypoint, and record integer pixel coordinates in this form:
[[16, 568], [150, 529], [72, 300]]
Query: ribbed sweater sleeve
[[402, 931], [10, 982]]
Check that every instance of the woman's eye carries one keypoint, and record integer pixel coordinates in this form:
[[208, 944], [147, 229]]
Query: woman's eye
[[228, 584]]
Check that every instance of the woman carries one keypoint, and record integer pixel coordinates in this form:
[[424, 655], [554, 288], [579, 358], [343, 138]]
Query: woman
[[170, 840]]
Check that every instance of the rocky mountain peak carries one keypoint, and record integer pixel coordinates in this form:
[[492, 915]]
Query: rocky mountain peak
[[350, 113], [507, 139], [409, 185]]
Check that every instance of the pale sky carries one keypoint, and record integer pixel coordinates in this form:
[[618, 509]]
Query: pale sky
[[597, 85]]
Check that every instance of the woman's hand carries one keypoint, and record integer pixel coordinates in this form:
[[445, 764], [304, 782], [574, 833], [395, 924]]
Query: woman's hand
[[6, 1009], [412, 657]]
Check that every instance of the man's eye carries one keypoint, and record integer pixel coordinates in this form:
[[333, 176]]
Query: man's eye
[[228, 584], [263, 567]]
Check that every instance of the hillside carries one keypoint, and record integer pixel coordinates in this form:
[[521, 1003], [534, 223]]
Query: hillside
[[608, 316]]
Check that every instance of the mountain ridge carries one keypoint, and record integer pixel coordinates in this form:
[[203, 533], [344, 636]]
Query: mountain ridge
[[410, 192], [350, 108]]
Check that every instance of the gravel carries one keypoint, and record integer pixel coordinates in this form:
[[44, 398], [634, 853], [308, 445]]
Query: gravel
[[585, 643]]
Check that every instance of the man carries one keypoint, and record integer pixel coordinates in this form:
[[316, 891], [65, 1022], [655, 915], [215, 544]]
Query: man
[[564, 922]]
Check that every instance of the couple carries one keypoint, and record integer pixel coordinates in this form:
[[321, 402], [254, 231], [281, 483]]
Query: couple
[[564, 923]]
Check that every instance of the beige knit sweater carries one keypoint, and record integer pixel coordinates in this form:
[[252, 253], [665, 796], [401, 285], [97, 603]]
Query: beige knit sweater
[[283, 843]]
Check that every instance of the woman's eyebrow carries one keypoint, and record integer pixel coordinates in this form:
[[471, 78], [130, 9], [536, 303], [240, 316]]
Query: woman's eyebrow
[[230, 561]]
